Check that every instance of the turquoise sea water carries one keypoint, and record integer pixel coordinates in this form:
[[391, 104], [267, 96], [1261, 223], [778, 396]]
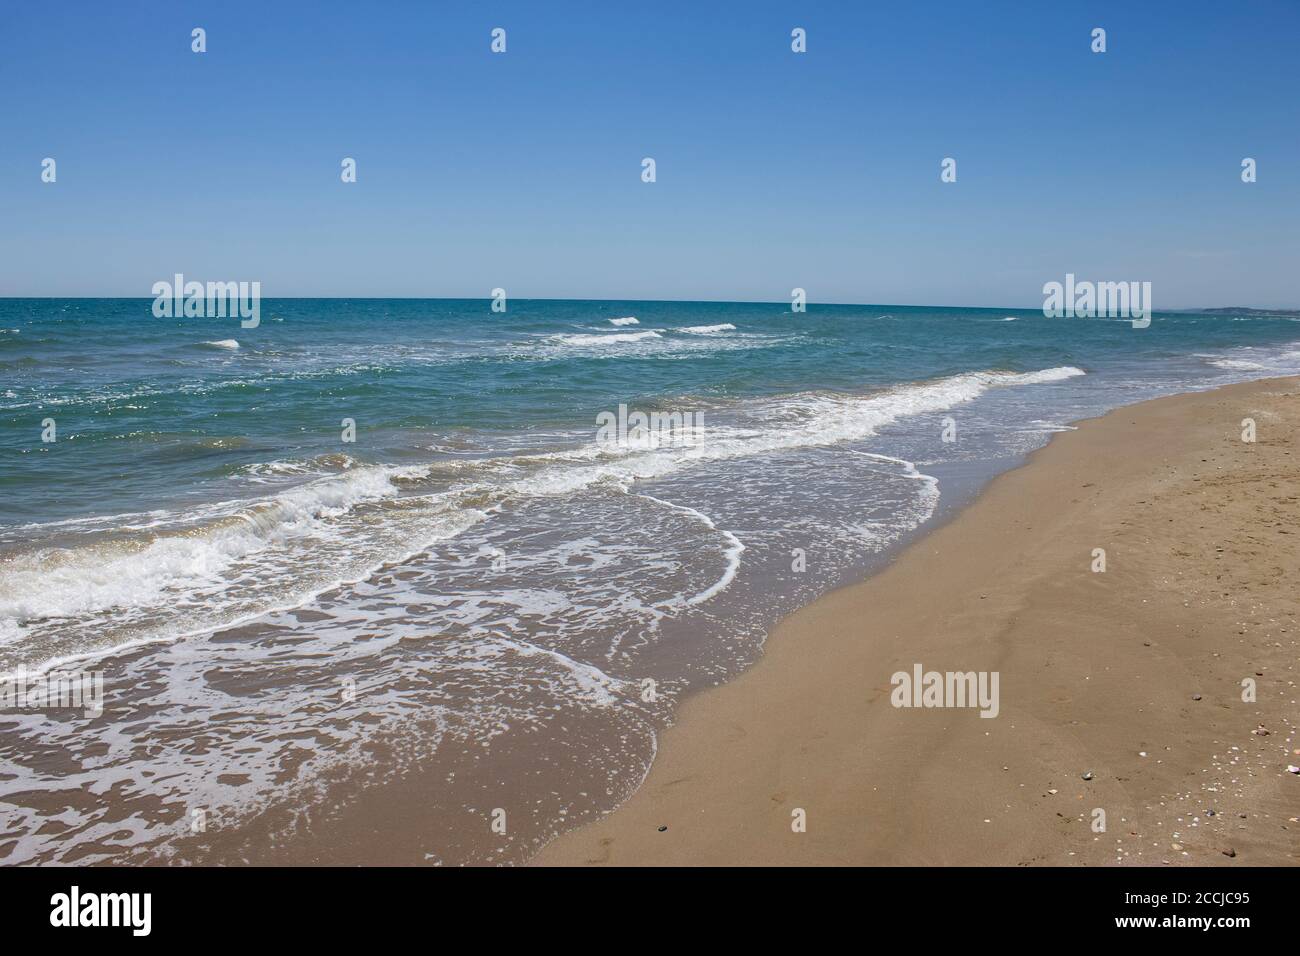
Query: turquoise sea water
[[497, 581], [152, 411]]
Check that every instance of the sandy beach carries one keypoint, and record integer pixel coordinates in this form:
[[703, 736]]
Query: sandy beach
[[1120, 690]]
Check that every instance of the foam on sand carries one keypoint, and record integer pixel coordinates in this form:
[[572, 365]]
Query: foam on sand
[[734, 549], [1017, 544]]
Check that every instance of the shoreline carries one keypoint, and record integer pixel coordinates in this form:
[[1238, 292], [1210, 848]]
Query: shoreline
[[1130, 676]]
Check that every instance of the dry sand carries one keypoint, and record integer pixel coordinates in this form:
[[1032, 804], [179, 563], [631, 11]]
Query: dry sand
[[1134, 674]]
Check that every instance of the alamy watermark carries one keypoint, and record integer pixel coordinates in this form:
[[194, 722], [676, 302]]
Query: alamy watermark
[[75, 908], [946, 689], [54, 690], [213, 300], [1085, 300], [637, 429]]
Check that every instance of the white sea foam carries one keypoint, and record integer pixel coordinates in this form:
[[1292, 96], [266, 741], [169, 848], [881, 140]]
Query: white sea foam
[[927, 500], [593, 686], [1285, 361], [626, 320], [280, 469], [1057, 374], [449, 656], [735, 548], [284, 549], [708, 329], [127, 572], [780, 424], [666, 343], [223, 344], [606, 338]]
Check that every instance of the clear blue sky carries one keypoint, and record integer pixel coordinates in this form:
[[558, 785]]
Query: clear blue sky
[[775, 170]]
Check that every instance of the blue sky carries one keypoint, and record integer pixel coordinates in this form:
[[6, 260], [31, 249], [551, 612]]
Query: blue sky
[[775, 170]]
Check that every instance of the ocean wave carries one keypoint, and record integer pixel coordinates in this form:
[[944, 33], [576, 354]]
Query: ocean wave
[[707, 329], [283, 550], [665, 344], [1242, 365], [786, 423], [606, 338], [626, 320], [281, 469], [1285, 361], [222, 344], [163, 583], [1059, 374], [131, 571]]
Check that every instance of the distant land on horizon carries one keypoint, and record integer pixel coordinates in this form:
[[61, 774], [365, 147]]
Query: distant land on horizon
[[1226, 309]]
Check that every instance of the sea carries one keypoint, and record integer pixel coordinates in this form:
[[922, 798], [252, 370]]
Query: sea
[[375, 582]]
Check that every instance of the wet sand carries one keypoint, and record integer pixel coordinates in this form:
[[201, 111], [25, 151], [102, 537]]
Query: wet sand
[[1132, 676]]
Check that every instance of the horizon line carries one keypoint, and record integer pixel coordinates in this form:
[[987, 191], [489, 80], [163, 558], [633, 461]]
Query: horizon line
[[488, 298]]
